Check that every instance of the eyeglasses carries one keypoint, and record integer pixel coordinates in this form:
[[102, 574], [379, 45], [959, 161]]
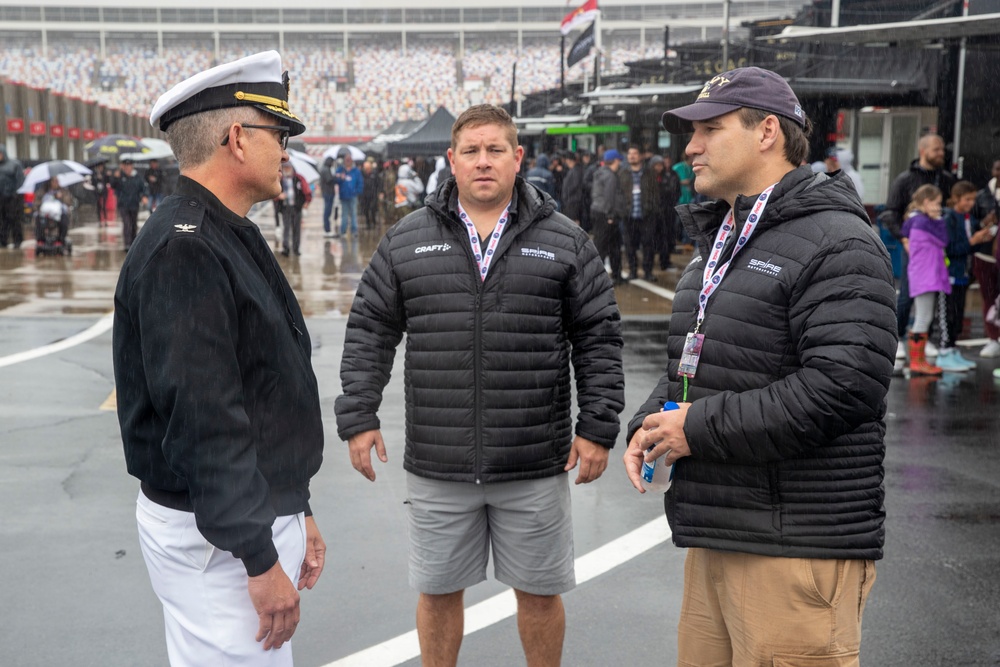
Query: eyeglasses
[[282, 131]]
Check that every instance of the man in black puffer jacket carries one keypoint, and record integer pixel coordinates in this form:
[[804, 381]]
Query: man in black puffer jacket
[[778, 442], [491, 334]]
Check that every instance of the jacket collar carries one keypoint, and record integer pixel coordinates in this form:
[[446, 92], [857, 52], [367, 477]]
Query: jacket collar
[[527, 203], [702, 221], [187, 187]]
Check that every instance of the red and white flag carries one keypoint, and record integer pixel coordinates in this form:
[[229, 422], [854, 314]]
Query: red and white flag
[[580, 16]]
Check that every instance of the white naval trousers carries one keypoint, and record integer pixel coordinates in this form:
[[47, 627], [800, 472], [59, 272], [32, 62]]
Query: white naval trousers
[[207, 611]]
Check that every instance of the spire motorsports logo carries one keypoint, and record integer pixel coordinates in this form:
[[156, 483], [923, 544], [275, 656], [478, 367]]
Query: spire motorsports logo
[[764, 267], [538, 252]]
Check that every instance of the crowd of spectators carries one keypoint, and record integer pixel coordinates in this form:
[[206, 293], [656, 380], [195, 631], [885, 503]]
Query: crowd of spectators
[[380, 84]]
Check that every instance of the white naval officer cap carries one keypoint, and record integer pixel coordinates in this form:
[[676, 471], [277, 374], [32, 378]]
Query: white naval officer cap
[[256, 80]]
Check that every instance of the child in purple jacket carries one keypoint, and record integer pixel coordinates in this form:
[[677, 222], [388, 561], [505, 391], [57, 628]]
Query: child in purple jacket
[[925, 237]]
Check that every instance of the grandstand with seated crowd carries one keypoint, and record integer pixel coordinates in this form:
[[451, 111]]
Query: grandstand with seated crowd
[[354, 71]]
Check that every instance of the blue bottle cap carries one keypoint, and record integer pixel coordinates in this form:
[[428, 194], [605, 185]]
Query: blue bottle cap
[[670, 405]]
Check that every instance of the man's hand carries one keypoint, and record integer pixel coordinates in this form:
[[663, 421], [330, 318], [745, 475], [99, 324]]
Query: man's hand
[[593, 459], [277, 604], [633, 462], [361, 451], [664, 432], [315, 558]]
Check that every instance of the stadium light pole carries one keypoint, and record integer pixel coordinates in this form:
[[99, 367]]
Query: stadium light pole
[[725, 35], [598, 46], [957, 166], [666, 52], [562, 66]]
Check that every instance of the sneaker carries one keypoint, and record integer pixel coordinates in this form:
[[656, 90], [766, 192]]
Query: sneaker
[[931, 350], [957, 355], [952, 362], [991, 350], [901, 350]]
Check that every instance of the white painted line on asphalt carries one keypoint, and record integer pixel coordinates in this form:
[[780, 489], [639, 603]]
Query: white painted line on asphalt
[[650, 287], [406, 647], [972, 342], [101, 326]]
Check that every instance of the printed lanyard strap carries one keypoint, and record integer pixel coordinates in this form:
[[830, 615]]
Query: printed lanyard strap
[[483, 259], [713, 272]]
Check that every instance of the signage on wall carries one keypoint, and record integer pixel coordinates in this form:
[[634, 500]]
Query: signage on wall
[[37, 128], [15, 125], [57, 131]]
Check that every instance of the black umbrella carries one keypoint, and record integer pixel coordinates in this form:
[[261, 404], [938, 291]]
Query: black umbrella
[[94, 161], [114, 145]]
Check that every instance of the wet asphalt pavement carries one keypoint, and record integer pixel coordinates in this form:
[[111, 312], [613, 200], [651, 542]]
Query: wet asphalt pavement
[[75, 589]]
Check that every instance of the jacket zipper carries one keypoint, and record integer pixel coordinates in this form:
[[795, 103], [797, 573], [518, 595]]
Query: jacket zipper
[[477, 347], [477, 373], [477, 352]]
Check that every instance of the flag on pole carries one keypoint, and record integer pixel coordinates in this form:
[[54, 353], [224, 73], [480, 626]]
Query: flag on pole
[[580, 16], [581, 47]]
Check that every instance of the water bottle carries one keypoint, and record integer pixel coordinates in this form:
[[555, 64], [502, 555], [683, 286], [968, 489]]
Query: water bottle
[[657, 478]]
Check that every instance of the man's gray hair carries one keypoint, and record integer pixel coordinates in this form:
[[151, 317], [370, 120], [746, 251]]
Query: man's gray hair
[[194, 139]]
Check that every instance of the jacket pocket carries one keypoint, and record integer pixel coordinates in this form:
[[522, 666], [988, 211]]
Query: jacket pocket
[[261, 414], [772, 483], [848, 659]]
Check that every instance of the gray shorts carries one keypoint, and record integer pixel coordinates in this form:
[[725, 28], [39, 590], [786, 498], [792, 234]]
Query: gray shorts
[[453, 524]]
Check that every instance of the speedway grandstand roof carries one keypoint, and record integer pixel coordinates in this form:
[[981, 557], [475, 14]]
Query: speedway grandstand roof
[[376, 16]]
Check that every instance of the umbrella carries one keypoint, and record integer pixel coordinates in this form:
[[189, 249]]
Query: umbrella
[[303, 168], [67, 171], [334, 151], [115, 144], [152, 149], [302, 155]]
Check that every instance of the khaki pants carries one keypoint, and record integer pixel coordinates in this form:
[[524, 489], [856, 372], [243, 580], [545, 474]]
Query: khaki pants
[[745, 610]]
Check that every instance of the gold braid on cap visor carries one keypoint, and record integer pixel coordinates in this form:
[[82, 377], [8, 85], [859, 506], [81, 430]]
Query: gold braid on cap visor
[[278, 105], [261, 99]]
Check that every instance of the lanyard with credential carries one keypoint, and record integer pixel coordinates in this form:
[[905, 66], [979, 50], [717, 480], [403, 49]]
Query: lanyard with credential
[[712, 278], [483, 259]]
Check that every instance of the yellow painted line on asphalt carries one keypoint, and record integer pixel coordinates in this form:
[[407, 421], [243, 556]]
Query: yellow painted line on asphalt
[[111, 402]]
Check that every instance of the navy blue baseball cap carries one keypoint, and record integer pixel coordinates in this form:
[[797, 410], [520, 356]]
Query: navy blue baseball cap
[[750, 87], [611, 155]]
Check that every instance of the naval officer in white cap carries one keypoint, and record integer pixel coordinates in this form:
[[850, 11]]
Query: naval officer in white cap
[[217, 399]]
